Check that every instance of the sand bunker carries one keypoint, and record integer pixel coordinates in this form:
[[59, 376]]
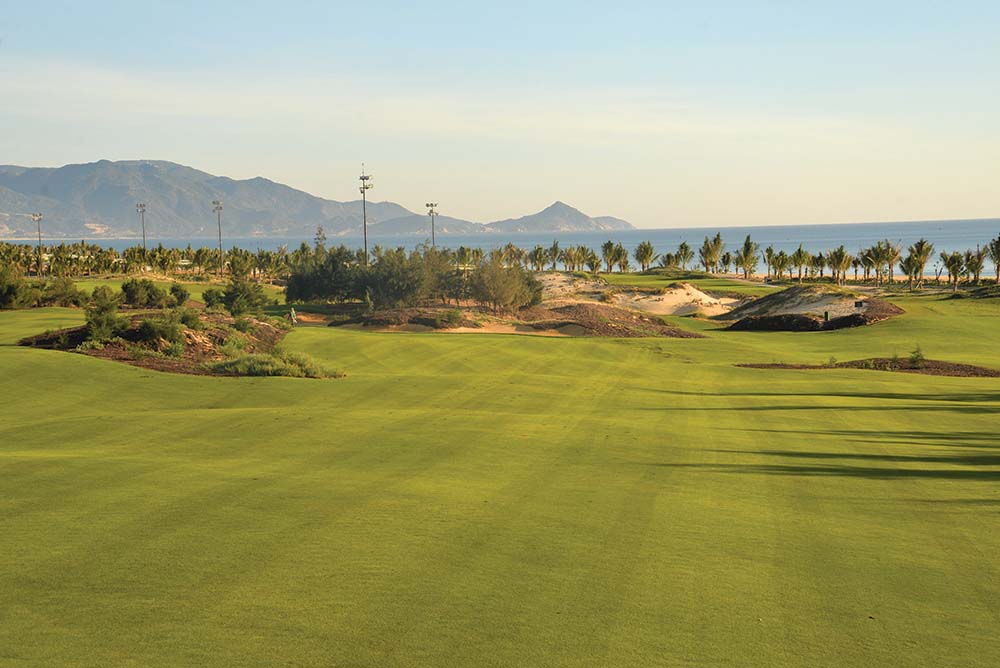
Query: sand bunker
[[678, 299]]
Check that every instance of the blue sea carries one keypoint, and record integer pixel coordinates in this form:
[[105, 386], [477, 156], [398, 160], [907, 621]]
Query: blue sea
[[946, 235]]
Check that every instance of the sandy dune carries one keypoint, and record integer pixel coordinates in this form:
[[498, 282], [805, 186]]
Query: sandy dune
[[682, 300]]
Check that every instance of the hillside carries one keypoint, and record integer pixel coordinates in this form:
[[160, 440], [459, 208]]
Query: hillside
[[559, 217], [98, 200]]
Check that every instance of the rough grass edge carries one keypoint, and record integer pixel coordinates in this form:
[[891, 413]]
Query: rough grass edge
[[275, 363]]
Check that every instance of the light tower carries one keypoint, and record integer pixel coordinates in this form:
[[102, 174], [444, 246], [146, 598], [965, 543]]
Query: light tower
[[141, 210], [217, 208], [432, 212], [366, 185], [37, 217]]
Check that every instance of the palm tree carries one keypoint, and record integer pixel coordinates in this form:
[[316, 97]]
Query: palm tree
[[954, 263], [684, 255], [592, 260], [993, 249], [621, 258], [975, 262], [839, 260], [645, 255], [725, 261], [608, 253], [746, 257], [892, 254], [780, 263], [538, 256], [710, 252], [554, 253], [769, 259], [908, 265], [920, 252], [800, 258]]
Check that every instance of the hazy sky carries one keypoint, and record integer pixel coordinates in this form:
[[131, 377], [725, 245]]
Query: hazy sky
[[666, 114]]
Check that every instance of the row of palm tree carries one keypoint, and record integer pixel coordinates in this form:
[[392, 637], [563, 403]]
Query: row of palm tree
[[85, 259], [876, 263]]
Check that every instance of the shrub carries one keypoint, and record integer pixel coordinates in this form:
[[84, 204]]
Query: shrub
[[189, 318], [14, 291], [143, 293], [505, 288], [242, 325], [278, 363], [179, 293], [167, 329], [917, 359], [242, 296], [450, 318], [234, 345], [175, 349], [103, 321], [63, 292], [212, 297]]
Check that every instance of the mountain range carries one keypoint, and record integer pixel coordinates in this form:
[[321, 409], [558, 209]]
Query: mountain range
[[98, 199]]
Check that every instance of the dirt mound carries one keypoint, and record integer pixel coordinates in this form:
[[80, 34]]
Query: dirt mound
[[785, 322], [600, 320], [804, 299], [215, 339], [929, 367], [806, 309]]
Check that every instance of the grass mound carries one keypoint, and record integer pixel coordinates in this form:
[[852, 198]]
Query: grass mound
[[276, 363], [601, 320]]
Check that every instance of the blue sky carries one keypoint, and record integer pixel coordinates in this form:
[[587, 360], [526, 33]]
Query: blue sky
[[667, 114]]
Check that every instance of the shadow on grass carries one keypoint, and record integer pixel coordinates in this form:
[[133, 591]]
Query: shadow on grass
[[955, 460], [959, 397], [867, 472], [951, 439]]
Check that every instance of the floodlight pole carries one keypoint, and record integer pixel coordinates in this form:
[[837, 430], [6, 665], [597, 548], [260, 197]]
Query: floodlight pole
[[432, 212], [141, 208], [37, 217], [217, 208], [366, 185]]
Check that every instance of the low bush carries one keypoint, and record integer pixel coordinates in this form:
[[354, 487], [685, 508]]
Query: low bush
[[180, 294], [15, 292], [212, 297], [917, 359], [153, 330], [243, 296], [63, 292], [451, 318], [189, 318], [278, 363], [143, 293], [103, 321], [234, 345], [242, 325]]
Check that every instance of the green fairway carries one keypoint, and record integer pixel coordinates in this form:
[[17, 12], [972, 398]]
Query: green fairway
[[712, 283], [490, 500]]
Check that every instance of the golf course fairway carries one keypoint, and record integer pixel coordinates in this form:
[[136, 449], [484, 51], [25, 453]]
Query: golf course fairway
[[490, 500]]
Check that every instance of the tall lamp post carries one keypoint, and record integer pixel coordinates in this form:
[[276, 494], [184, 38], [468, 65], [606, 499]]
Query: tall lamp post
[[37, 217], [366, 185], [217, 208], [141, 210], [432, 212]]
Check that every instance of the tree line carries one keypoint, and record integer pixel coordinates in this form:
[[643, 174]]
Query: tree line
[[876, 264], [396, 278]]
